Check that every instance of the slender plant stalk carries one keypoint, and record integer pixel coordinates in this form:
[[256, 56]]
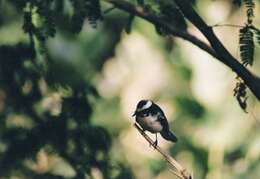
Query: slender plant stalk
[[227, 25], [181, 172]]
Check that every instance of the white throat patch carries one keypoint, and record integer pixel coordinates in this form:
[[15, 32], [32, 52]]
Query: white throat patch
[[147, 105]]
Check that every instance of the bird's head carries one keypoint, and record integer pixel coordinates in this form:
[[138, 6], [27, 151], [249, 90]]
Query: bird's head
[[142, 105]]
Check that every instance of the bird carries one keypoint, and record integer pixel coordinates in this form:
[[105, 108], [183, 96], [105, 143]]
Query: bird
[[152, 118]]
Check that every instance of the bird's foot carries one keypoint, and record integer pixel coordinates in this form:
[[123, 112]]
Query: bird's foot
[[154, 144]]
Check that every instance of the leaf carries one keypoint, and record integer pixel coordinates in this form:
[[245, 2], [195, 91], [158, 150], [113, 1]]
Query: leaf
[[257, 34], [47, 17], [237, 2], [250, 5], [241, 95], [190, 107], [258, 37], [247, 47], [93, 12], [173, 15], [128, 27], [140, 2], [79, 14], [89, 9]]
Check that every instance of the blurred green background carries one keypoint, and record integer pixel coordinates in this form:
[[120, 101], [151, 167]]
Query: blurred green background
[[66, 101]]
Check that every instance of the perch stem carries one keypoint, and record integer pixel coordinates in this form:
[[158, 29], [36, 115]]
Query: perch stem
[[180, 170]]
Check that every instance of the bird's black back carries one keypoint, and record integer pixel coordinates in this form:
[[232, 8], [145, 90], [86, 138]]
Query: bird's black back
[[153, 110]]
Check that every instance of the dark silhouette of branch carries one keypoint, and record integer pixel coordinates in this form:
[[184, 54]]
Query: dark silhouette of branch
[[141, 12], [216, 49], [181, 171], [224, 55]]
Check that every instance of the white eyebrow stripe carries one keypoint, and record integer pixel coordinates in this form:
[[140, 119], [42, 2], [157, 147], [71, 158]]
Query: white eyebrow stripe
[[147, 105]]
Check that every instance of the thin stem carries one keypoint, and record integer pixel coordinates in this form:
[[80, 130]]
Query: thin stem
[[227, 25], [176, 173], [180, 169]]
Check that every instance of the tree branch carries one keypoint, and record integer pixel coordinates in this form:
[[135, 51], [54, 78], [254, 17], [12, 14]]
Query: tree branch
[[216, 49], [141, 12], [224, 55], [181, 171]]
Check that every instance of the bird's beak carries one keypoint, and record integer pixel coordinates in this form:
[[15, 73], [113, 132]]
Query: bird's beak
[[134, 114]]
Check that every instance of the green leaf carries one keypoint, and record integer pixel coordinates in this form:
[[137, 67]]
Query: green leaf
[[173, 15], [128, 27], [156, 166], [250, 5], [89, 9], [190, 107], [247, 47], [93, 12], [140, 2], [237, 2], [257, 34]]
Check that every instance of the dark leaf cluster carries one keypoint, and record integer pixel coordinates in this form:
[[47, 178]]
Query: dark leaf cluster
[[241, 94], [250, 5], [85, 9], [48, 13], [246, 42], [170, 14], [69, 134]]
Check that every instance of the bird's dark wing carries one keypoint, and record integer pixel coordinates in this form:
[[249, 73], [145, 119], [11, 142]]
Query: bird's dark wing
[[155, 108], [161, 116]]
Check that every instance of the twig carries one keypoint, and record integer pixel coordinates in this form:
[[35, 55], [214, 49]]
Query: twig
[[181, 171], [227, 25], [176, 173]]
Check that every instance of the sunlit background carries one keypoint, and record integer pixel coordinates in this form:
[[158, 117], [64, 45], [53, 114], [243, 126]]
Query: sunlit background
[[217, 139]]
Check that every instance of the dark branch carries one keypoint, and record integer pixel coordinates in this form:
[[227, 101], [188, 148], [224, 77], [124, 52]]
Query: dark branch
[[224, 55], [140, 12], [216, 49]]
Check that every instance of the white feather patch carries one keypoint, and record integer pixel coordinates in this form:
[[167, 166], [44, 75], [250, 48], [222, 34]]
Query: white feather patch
[[147, 105]]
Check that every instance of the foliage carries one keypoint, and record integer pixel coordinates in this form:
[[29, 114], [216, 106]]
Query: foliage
[[246, 35], [241, 95], [190, 107], [247, 49], [130, 20], [171, 14], [77, 145], [47, 103], [250, 5], [89, 9], [64, 129], [246, 41]]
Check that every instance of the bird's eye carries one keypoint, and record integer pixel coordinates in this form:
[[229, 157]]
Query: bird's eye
[[145, 114]]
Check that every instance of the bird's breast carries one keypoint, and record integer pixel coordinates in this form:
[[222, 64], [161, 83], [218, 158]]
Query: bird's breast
[[150, 123]]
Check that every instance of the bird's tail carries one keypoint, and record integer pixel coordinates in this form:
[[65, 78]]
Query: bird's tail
[[168, 135]]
